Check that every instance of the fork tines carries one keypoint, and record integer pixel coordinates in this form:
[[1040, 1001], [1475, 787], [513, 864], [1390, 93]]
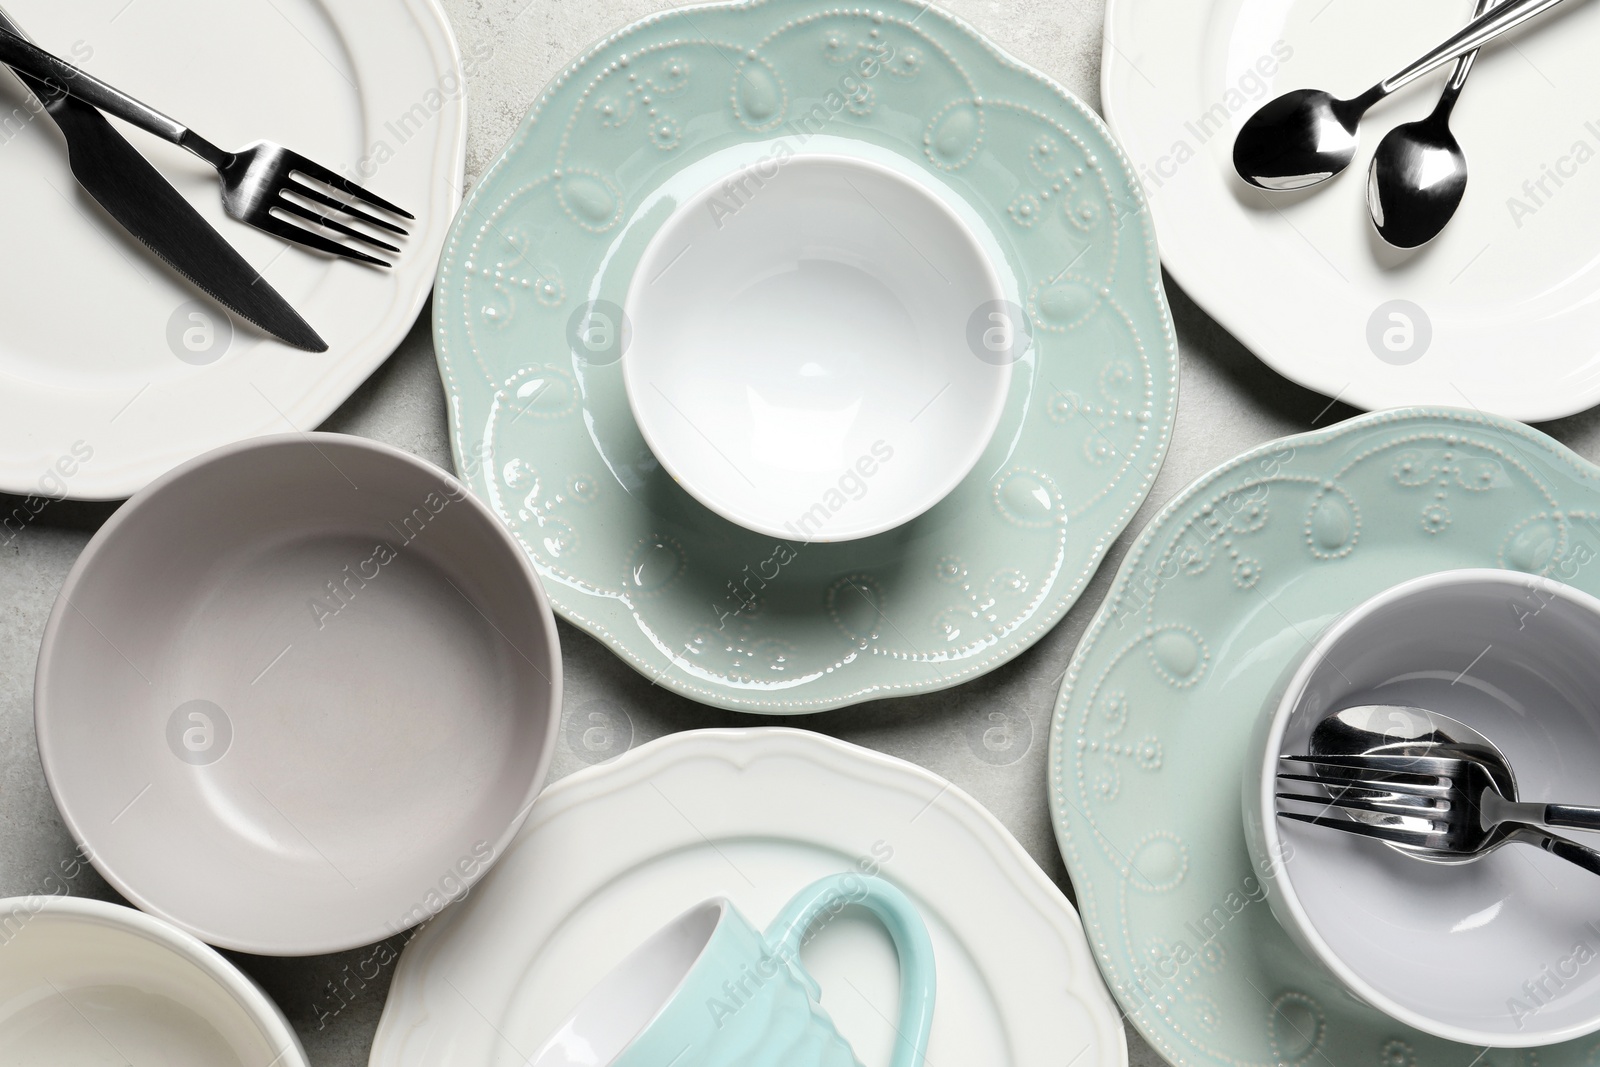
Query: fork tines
[[1349, 799], [1377, 800], [1430, 837], [297, 196], [1417, 775]]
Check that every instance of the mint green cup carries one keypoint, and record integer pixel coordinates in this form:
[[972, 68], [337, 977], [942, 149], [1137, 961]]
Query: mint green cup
[[713, 991]]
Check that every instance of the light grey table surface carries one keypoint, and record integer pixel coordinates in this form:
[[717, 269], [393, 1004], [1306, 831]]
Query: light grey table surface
[[1229, 402]]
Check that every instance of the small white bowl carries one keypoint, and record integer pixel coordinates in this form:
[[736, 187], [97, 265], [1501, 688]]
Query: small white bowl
[[812, 350], [298, 694], [1502, 951], [83, 981]]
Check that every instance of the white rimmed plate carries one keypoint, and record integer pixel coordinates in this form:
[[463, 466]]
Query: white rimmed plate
[[106, 378], [611, 854], [1498, 313]]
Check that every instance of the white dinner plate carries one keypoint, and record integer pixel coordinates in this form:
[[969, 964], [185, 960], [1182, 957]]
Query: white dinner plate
[[611, 854], [1501, 312], [113, 369]]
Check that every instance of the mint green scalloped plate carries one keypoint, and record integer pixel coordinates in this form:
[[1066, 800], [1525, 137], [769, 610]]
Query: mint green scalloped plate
[[543, 432], [1224, 589]]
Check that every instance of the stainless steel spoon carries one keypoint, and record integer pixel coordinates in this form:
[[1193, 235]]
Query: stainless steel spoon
[[1307, 136], [1383, 728], [1419, 173]]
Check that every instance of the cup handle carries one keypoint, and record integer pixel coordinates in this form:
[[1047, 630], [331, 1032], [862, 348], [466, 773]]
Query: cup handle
[[900, 917]]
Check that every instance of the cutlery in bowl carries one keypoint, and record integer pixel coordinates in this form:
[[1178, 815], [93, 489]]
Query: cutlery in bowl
[[1413, 788]]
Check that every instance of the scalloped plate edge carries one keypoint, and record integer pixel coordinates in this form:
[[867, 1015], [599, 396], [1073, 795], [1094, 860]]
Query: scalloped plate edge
[[1043, 623], [406, 1017], [1543, 442]]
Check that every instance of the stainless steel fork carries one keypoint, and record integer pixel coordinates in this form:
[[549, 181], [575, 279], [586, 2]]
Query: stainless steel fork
[[263, 184], [1446, 805]]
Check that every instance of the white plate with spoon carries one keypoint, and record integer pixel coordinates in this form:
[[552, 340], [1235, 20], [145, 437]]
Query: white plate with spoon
[[1499, 312]]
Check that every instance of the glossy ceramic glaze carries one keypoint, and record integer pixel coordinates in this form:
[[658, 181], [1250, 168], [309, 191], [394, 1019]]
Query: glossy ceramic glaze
[[553, 235], [712, 989], [1212, 610], [298, 694], [112, 369], [749, 815], [804, 321], [1301, 278], [85, 982], [1447, 950]]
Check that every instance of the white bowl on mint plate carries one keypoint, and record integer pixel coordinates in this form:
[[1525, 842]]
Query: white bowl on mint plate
[[1502, 951], [554, 238], [800, 336]]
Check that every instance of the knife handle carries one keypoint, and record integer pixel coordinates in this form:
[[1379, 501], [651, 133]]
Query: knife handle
[[29, 58], [9, 25], [47, 94]]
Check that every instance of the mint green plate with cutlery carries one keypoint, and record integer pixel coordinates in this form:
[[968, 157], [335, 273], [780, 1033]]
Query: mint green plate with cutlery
[[529, 329], [1223, 591]]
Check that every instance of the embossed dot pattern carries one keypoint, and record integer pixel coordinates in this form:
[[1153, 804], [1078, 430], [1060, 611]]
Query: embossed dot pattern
[[715, 612], [1217, 598]]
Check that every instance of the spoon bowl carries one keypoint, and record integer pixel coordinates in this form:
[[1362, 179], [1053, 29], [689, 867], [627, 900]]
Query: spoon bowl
[[1298, 140], [1416, 181], [1306, 136], [1419, 173], [1389, 729]]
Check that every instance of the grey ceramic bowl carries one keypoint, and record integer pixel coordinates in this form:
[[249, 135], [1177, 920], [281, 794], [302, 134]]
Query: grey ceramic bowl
[[298, 694]]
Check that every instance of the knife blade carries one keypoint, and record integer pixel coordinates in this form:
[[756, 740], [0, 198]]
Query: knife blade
[[145, 204]]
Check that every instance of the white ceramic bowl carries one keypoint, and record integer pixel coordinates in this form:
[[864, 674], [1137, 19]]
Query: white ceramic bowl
[[807, 351], [298, 694], [1488, 952], [83, 981]]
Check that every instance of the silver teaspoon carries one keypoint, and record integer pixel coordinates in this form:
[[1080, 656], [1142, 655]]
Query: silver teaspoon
[[1307, 136], [1419, 173]]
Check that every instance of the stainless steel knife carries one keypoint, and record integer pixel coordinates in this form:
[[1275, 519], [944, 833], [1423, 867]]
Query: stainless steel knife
[[146, 205]]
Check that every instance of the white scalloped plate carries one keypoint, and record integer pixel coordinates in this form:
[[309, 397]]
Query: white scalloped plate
[[95, 400], [1499, 312], [612, 853]]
